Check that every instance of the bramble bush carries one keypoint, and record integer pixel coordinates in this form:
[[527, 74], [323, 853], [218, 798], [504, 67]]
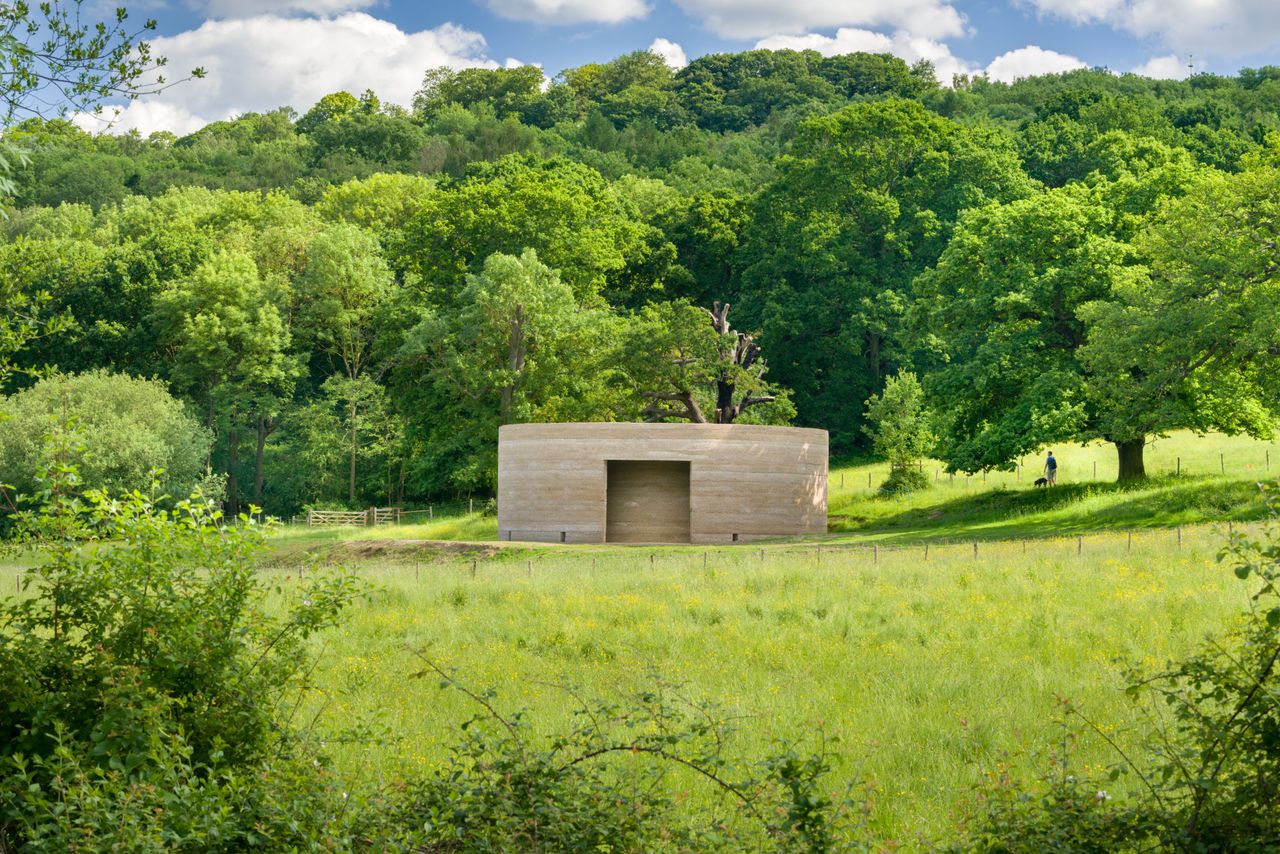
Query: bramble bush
[[606, 785], [147, 693]]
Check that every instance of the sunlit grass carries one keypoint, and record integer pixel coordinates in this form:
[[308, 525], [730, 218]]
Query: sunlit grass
[[1005, 504], [928, 669]]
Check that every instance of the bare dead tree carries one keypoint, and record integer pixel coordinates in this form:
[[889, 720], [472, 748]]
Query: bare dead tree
[[737, 376], [738, 368]]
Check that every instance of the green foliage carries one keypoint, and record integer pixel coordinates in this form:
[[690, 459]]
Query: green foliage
[[564, 211], [828, 264], [1183, 342], [1005, 299], [820, 195], [602, 784], [900, 430], [516, 348], [128, 429], [149, 698], [55, 59]]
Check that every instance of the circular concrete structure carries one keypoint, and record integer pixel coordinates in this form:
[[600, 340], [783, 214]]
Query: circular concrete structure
[[660, 483]]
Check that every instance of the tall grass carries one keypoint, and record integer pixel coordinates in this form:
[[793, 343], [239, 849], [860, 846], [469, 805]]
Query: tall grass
[[928, 669]]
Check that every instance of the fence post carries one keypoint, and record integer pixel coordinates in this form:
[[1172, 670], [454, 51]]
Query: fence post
[[1179, 465], [875, 553], [975, 550], [529, 566], [309, 512], [1095, 469], [842, 480], [1222, 463], [926, 551], [473, 567], [1080, 541], [471, 505], [1130, 546], [868, 480], [1179, 536]]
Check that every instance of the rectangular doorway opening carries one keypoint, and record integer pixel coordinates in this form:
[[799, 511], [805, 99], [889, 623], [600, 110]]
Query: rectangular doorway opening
[[647, 502]]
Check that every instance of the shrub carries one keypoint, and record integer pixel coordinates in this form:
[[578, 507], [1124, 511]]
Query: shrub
[[903, 479], [601, 786], [900, 431], [128, 428], [147, 696]]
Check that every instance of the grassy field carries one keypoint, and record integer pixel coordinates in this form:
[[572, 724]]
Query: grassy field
[[929, 661], [930, 670]]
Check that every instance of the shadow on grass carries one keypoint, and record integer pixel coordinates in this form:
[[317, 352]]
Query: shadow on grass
[[1156, 502]]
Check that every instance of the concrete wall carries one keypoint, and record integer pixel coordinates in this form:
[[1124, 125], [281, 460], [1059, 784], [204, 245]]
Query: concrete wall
[[744, 482]]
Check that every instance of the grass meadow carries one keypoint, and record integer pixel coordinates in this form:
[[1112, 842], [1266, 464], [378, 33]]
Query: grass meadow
[[930, 663], [929, 670]]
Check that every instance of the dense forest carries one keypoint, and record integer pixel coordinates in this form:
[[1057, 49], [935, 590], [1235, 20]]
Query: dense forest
[[349, 302]]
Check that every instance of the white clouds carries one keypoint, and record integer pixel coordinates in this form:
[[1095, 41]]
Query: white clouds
[[747, 19], [1170, 67], [255, 8], [670, 52], [261, 63], [1028, 62], [1223, 27], [569, 11], [852, 40]]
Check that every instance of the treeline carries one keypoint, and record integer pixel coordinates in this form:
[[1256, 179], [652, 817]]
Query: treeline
[[352, 301]]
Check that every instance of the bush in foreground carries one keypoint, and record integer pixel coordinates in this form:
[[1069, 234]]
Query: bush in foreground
[[147, 694]]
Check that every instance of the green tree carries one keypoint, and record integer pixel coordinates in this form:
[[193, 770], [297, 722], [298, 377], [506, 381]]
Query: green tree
[[687, 363], [566, 212], [867, 198], [518, 348], [899, 426], [333, 107], [228, 349], [1000, 312], [127, 430], [55, 59], [340, 299], [513, 92], [1188, 341]]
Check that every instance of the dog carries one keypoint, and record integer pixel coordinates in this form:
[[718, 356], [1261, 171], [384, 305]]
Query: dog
[[1042, 481]]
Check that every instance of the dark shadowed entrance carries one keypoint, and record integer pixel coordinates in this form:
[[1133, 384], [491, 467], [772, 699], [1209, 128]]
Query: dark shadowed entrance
[[647, 502]]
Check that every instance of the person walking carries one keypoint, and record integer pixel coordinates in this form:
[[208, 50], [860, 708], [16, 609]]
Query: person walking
[[1051, 470]]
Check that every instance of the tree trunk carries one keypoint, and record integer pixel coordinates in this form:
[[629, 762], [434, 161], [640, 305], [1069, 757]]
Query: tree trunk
[[355, 444], [265, 428], [233, 484], [1130, 456]]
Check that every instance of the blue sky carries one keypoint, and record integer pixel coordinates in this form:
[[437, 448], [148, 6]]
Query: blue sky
[[261, 54]]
